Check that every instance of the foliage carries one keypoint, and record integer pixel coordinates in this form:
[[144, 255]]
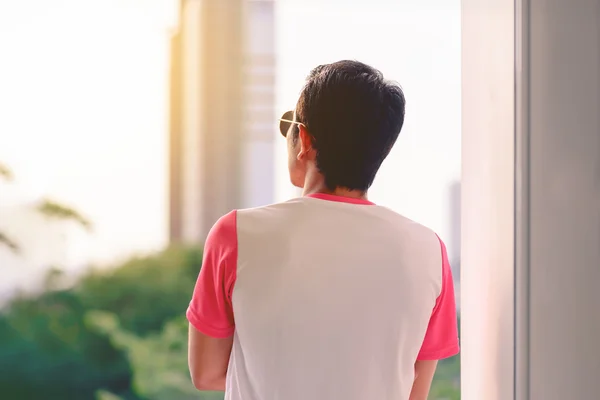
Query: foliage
[[106, 395], [56, 210], [47, 208], [159, 360], [145, 291], [5, 172], [446, 383], [49, 350], [8, 242]]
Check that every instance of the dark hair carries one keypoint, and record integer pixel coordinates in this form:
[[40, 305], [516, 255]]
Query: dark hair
[[354, 116]]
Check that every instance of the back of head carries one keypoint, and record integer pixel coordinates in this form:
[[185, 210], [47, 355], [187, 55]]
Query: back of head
[[354, 116]]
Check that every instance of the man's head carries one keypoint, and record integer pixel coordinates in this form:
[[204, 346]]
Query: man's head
[[349, 117]]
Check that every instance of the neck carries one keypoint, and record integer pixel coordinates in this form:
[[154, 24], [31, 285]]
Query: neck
[[315, 183]]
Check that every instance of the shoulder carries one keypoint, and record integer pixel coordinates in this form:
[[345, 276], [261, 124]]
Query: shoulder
[[418, 242], [413, 230], [222, 238], [225, 227]]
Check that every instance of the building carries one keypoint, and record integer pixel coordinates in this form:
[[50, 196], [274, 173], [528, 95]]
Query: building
[[453, 242], [221, 113]]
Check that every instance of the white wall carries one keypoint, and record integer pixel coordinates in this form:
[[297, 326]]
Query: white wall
[[487, 267], [564, 200], [531, 199]]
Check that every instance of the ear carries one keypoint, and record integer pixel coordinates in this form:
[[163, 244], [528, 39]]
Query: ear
[[306, 143]]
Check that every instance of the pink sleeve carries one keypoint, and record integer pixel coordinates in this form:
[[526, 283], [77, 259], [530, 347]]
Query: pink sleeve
[[210, 310], [441, 339]]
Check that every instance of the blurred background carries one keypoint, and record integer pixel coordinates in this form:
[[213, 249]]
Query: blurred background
[[127, 127]]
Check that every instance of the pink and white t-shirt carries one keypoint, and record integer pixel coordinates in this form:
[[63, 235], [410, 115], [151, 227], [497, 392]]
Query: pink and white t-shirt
[[326, 298]]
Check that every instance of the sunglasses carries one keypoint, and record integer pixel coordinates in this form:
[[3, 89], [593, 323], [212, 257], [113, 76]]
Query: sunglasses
[[286, 121]]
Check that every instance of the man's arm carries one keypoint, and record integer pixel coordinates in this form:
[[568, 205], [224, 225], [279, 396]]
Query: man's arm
[[424, 371], [208, 358], [210, 312], [441, 338]]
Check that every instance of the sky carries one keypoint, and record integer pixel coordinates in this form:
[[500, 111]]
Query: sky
[[83, 103], [83, 100], [413, 42]]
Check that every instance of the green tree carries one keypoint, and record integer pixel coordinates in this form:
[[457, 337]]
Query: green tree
[[144, 291], [446, 383], [49, 350], [6, 174], [46, 351], [159, 360]]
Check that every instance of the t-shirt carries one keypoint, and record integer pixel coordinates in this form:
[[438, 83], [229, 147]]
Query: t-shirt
[[327, 298]]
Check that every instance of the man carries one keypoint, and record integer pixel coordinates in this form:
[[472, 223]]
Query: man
[[327, 296]]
